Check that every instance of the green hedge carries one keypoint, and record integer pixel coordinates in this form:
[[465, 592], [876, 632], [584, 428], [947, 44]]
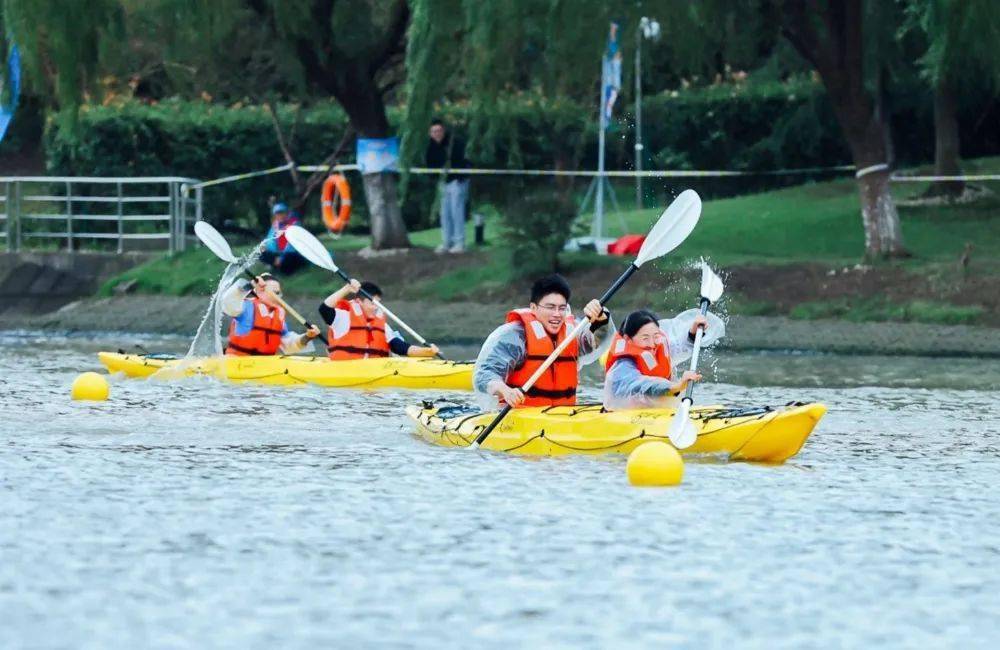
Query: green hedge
[[750, 127]]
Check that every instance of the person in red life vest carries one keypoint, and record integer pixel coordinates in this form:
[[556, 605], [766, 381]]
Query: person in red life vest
[[640, 364], [358, 327], [258, 326], [516, 349], [280, 255]]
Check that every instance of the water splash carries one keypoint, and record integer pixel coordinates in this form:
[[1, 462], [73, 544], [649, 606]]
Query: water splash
[[687, 291], [205, 352]]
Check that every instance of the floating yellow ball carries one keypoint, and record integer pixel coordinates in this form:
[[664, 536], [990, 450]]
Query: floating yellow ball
[[90, 386], [654, 464]]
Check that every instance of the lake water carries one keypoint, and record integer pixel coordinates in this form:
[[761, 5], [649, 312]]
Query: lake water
[[203, 514]]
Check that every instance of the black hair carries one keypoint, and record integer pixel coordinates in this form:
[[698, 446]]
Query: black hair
[[265, 276], [553, 283], [636, 321], [437, 121], [372, 289]]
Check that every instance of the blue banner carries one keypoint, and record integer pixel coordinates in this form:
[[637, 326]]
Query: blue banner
[[12, 90], [611, 76], [378, 155]]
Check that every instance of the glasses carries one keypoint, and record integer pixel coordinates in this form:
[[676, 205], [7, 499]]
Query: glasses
[[558, 309]]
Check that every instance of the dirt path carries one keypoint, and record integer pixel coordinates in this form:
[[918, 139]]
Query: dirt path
[[469, 322]]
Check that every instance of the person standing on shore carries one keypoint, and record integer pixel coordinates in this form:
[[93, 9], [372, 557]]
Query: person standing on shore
[[446, 151]]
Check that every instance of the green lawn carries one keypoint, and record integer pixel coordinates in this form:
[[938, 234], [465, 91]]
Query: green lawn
[[822, 222], [816, 222]]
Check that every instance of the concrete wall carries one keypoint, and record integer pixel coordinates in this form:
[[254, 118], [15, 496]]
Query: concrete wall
[[33, 282]]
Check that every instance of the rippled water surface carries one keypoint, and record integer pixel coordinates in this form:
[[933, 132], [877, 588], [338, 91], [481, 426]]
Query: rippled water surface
[[201, 514]]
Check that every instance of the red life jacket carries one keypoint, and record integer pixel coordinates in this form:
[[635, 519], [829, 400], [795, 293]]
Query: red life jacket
[[652, 363], [364, 338], [557, 385], [264, 337]]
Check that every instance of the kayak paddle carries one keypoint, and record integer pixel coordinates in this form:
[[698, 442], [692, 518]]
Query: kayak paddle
[[683, 431], [216, 243], [314, 251], [672, 228]]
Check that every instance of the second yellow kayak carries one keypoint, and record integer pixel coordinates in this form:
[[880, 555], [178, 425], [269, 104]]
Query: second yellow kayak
[[392, 372], [761, 434]]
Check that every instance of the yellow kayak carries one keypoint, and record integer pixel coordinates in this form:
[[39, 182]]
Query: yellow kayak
[[765, 434], [392, 372]]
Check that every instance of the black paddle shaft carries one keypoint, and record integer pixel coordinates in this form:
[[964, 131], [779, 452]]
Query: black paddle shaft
[[347, 279], [612, 290], [306, 323], [705, 302]]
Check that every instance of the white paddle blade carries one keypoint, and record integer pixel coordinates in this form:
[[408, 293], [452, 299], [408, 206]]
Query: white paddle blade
[[214, 241], [673, 227], [311, 248], [683, 431], [711, 284]]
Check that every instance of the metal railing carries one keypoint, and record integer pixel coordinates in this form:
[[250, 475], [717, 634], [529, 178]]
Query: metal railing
[[104, 212]]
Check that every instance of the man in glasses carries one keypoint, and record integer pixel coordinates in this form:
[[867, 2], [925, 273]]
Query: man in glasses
[[516, 349], [258, 327]]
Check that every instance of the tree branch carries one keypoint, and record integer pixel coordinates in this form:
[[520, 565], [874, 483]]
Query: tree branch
[[317, 178], [283, 144], [800, 31], [394, 37]]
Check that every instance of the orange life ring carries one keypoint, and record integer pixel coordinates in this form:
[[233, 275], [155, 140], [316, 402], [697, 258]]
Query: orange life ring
[[336, 202]]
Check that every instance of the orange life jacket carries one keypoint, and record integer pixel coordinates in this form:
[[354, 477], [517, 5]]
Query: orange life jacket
[[557, 385], [264, 337], [363, 339], [652, 363]]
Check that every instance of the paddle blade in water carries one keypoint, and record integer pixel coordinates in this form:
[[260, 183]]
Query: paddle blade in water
[[672, 228], [711, 284], [214, 241], [311, 248], [683, 431]]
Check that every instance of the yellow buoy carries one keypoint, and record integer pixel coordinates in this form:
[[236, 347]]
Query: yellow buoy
[[90, 386], [654, 464]]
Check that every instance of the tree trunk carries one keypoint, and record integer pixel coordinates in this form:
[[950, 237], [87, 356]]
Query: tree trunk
[[866, 136], [830, 36], [946, 145], [356, 91], [883, 235], [388, 229]]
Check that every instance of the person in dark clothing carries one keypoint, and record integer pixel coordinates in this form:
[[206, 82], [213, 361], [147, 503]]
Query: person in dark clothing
[[447, 151], [278, 253]]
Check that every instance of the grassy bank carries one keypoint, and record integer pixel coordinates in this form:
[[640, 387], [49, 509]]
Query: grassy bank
[[795, 251]]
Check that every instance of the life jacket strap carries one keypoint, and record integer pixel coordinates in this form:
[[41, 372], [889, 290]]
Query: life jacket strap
[[251, 351], [551, 394], [355, 350]]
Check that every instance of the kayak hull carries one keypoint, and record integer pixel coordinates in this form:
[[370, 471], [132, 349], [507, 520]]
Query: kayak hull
[[765, 434], [392, 372]]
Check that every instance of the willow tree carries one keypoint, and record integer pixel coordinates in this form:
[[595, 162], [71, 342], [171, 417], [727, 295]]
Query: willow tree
[[846, 42], [961, 38], [551, 45], [547, 52], [330, 48]]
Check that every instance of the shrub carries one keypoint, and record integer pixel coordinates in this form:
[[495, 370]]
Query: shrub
[[535, 227], [750, 127]]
